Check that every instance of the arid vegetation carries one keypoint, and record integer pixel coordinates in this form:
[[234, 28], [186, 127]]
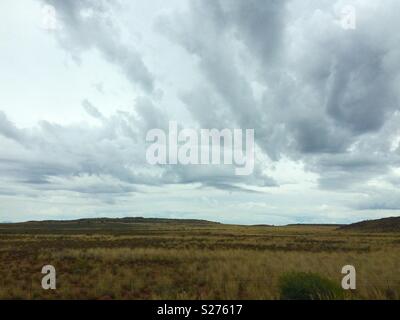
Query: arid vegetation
[[381, 225], [188, 260]]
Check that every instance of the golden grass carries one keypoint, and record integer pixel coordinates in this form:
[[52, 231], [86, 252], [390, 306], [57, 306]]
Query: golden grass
[[225, 262]]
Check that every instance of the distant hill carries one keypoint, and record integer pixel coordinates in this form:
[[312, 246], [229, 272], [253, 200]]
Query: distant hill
[[314, 225], [103, 225], [382, 225], [127, 220], [138, 224]]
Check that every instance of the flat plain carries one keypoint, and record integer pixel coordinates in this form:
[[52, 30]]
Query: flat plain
[[136, 258]]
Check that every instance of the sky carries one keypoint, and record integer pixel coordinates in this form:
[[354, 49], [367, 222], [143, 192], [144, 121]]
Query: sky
[[82, 83]]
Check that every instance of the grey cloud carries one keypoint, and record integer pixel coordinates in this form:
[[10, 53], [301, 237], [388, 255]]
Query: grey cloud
[[91, 109], [325, 91], [382, 205], [360, 96], [9, 130], [228, 187], [221, 177], [207, 108], [216, 58], [342, 171], [312, 136], [259, 24], [379, 200], [105, 159], [97, 30]]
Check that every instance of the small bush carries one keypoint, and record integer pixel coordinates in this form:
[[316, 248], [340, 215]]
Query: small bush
[[308, 286]]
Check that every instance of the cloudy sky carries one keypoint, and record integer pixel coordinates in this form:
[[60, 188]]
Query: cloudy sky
[[82, 82]]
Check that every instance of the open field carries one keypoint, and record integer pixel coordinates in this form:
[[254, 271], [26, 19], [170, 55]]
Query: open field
[[157, 259]]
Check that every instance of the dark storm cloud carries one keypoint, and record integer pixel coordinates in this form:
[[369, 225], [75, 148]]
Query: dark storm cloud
[[88, 24]]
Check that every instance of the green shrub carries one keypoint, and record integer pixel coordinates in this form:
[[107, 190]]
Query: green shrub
[[308, 286]]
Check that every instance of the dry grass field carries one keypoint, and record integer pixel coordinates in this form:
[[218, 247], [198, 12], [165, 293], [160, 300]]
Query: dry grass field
[[156, 259]]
